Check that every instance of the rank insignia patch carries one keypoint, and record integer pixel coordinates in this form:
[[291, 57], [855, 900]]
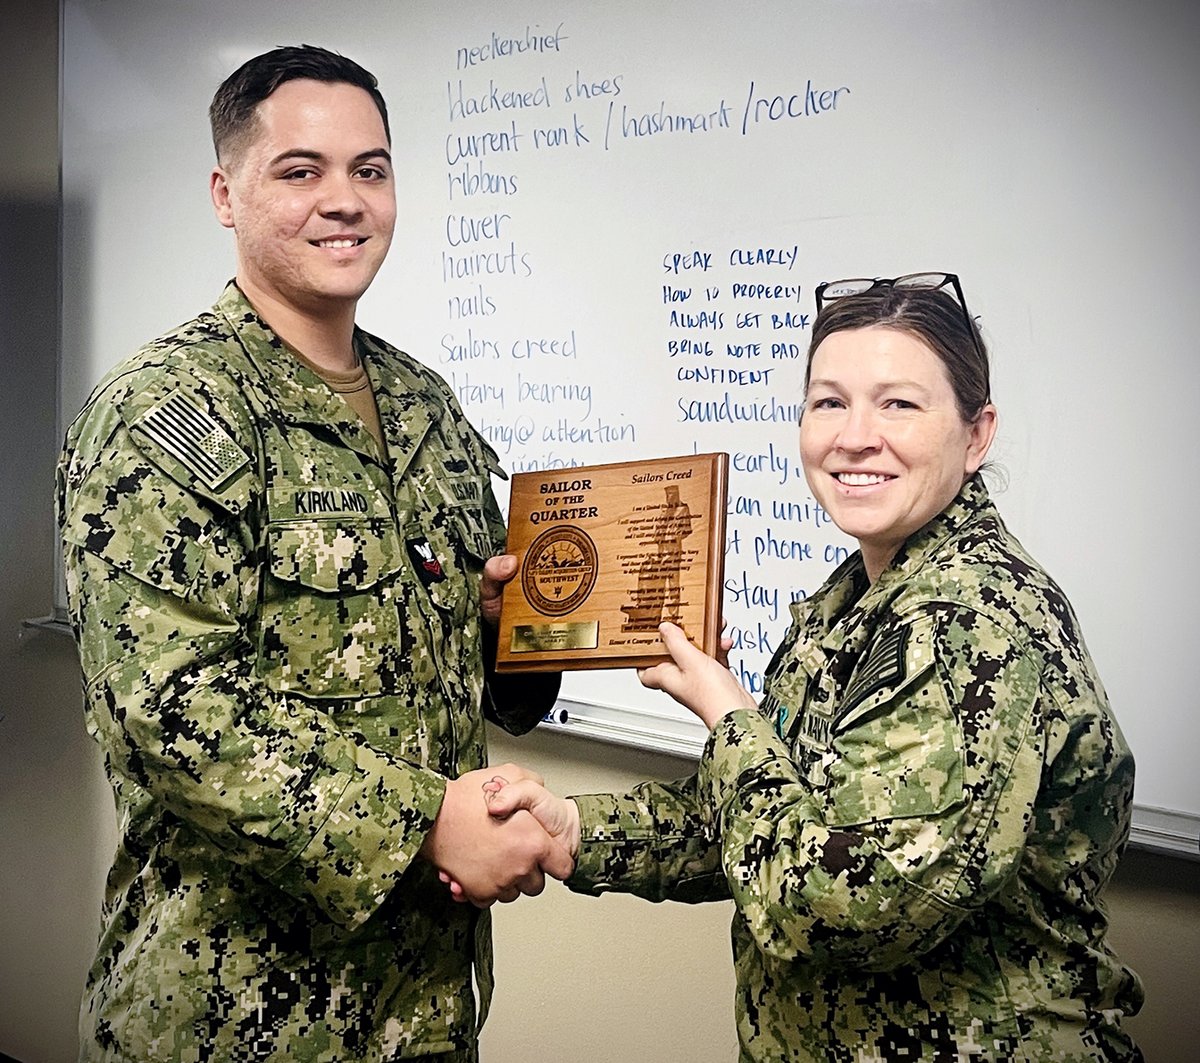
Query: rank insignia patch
[[428, 567], [193, 438], [883, 667]]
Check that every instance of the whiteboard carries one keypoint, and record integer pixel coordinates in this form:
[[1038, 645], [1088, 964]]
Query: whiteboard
[[612, 219]]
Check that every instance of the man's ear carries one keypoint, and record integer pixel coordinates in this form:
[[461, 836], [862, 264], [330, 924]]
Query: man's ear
[[218, 188]]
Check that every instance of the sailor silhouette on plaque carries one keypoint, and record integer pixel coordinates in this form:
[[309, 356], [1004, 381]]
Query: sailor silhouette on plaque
[[657, 596]]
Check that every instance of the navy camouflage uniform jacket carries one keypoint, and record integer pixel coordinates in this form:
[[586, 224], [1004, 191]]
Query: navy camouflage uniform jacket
[[917, 826], [281, 643]]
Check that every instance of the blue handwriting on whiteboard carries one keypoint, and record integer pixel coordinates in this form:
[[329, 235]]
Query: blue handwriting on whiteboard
[[804, 104], [654, 123], [501, 47]]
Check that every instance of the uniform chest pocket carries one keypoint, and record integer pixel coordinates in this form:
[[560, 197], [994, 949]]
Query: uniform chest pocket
[[330, 623], [897, 745]]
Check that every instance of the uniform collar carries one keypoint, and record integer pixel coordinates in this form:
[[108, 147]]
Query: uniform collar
[[304, 398], [971, 501], [848, 593], [402, 397]]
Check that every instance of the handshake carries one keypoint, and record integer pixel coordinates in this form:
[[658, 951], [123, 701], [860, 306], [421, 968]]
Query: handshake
[[499, 833]]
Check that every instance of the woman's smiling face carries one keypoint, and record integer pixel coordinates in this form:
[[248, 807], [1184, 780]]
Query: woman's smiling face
[[884, 445]]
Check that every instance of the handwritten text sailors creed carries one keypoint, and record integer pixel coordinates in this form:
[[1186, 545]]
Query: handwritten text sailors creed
[[567, 499]]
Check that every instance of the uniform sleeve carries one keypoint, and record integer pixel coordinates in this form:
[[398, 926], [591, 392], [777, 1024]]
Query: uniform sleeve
[[930, 795], [656, 842], [517, 701], [162, 579]]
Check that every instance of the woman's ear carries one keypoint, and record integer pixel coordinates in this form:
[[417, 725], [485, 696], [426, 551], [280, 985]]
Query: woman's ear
[[983, 431]]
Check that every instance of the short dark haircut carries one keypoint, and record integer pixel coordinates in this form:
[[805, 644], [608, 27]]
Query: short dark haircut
[[934, 317], [233, 112]]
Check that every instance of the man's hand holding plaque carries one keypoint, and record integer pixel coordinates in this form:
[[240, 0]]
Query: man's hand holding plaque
[[607, 553]]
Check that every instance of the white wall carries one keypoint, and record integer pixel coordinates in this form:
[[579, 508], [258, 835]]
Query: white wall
[[614, 977], [55, 809]]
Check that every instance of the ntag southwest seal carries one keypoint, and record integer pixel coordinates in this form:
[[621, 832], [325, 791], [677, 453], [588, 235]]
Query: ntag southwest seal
[[560, 570]]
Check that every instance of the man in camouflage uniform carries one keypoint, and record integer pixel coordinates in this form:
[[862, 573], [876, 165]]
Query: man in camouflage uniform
[[888, 824], [278, 534]]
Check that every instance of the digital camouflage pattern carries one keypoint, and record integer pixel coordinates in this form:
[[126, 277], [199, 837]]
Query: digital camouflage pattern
[[916, 828], [280, 637]]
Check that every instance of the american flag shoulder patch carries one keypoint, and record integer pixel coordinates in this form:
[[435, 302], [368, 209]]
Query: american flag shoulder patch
[[883, 666], [192, 437]]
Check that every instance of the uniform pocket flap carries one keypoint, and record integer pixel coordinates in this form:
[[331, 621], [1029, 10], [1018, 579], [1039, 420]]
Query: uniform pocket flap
[[140, 522], [899, 747], [471, 528], [333, 555]]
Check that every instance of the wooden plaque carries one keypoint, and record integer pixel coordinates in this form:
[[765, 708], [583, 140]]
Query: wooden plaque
[[608, 552]]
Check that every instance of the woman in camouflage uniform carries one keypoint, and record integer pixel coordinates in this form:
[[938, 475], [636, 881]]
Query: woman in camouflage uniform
[[917, 823]]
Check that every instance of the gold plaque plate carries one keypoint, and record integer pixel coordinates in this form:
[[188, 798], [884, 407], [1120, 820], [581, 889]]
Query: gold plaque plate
[[606, 554]]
